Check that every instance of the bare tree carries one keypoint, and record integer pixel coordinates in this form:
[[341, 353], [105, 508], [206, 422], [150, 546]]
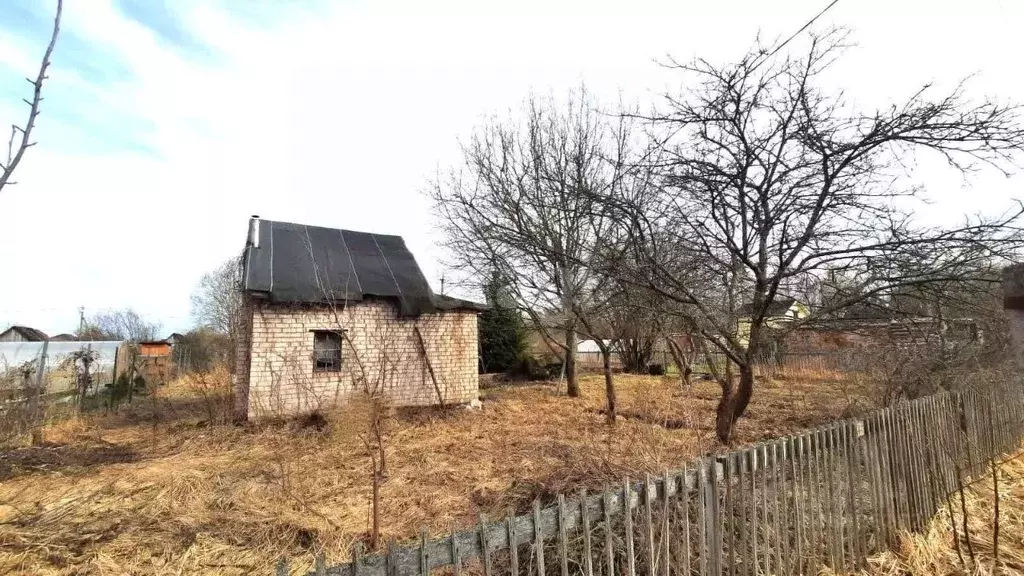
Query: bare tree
[[525, 205], [124, 324], [637, 318], [766, 181], [17, 146], [217, 299]]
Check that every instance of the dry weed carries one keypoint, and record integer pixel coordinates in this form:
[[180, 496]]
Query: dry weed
[[157, 489], [934, 553]]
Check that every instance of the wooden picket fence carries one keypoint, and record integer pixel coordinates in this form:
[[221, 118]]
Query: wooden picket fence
[[828, 496]]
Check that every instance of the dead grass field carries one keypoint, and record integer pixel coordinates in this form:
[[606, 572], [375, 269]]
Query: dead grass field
[[155, 490]]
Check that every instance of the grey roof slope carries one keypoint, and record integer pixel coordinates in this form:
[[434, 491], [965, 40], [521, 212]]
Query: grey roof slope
[[28, 333], [310, 264]]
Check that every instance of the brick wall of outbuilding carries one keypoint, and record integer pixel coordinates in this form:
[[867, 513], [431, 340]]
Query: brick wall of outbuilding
[[380, 350]]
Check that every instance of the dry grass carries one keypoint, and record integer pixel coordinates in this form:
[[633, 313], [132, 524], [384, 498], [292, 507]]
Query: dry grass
[[156, 489], [934, 553]]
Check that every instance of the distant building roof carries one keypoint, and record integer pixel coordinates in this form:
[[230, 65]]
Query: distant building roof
[[778, 307], [29, 334], [297, 263], [63, 338], [591, 346]]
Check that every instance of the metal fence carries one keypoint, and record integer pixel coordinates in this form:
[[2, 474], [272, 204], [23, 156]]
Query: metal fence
[[824, 364], [21, 361], [829, 496], [791, 364]]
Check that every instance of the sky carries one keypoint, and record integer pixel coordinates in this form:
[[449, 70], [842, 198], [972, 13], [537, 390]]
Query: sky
[[167, 123]]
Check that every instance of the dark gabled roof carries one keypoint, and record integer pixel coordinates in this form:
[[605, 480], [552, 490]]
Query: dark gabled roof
[[29, 334], [63, 338], [296, 263], [442, 302], [779, 307]]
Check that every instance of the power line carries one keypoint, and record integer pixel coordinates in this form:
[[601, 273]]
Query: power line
[[795, 34]]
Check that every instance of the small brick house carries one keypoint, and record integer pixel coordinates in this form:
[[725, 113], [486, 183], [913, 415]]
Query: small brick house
[[329, 313]]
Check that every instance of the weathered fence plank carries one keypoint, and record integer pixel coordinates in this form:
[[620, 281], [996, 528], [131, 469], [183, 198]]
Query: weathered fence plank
[[588, 551], [776, 529], [762, 451], [609, 543], [752, 463], [683, 503], [702, 518], [663, 540], [627, 515], [798, 520], [816, 535], [563, 539]]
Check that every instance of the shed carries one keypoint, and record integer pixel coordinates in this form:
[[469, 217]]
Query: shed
[[155, 348], [328, 313]]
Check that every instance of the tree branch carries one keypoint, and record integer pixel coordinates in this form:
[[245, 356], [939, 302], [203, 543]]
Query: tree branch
[[14, 155]]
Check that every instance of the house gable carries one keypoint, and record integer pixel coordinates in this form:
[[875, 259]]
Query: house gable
[[22, 334]]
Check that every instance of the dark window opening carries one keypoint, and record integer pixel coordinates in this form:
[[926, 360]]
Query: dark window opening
[[326, 351]]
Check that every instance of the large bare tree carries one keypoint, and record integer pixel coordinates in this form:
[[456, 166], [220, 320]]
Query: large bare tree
[[217, 299], [21, 136], [767, 181], [526, 205], [127, 325]]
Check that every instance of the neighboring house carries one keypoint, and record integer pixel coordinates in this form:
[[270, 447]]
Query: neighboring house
[[783, 310], [328, 313], [22, 334], [64, 338], [173, 339], [154, 348]]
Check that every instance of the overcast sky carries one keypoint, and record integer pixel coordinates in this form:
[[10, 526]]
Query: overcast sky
[[167, 123]]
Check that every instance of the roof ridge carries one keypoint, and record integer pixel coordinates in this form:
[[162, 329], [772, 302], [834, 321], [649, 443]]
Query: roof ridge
[[285, 222]]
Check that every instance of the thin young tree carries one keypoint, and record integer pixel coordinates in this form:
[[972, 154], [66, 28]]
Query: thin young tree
[[526, 204], [766, 181], [21, 136]]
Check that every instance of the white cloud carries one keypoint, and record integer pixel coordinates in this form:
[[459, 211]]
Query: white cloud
[[337, 114]]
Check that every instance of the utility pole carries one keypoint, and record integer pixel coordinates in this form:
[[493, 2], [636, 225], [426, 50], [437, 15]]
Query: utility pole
[[81, 320], [442, 283]]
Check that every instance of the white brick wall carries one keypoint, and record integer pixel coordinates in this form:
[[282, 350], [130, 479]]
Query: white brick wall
[[380, 350]]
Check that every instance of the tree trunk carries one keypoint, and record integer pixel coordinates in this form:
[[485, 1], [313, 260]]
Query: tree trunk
[[375, 530], [733, 402], [572, 384], [609, 384], [682, 363]]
